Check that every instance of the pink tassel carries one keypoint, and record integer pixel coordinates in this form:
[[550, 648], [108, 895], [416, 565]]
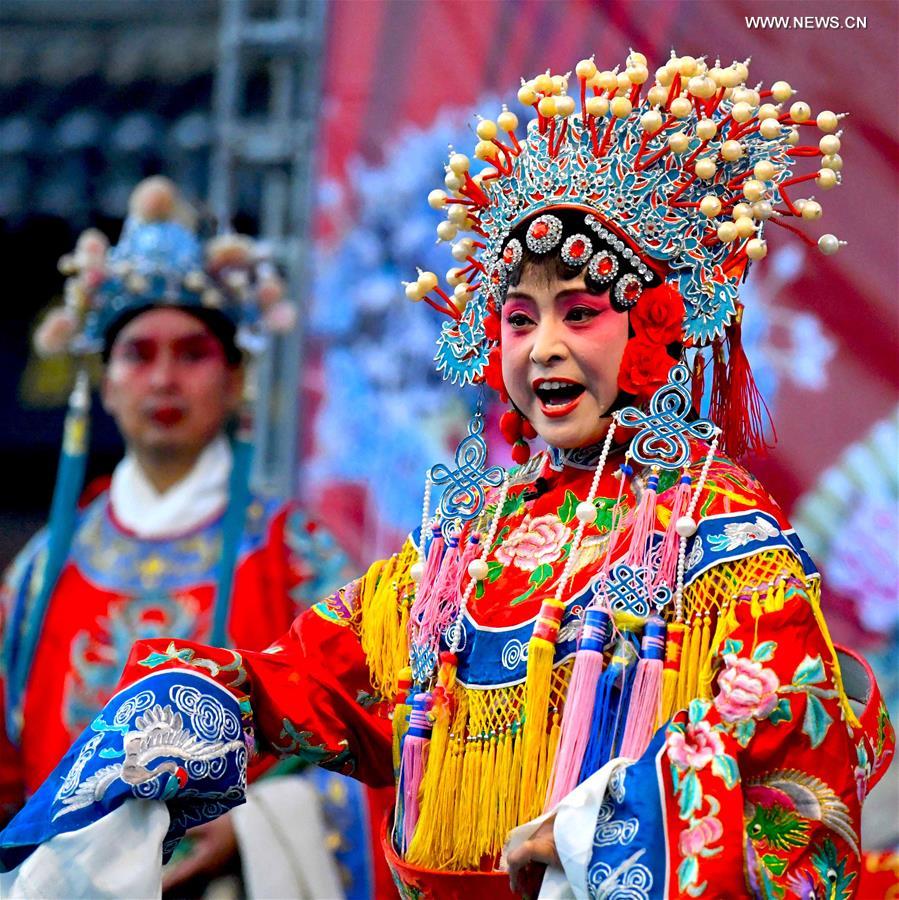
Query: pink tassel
[[640, 549], [443, 599], [646, 692], [428, 581], [412, 767], [579, 702], [667, 554]]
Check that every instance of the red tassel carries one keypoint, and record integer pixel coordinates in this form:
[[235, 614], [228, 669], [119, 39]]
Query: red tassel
[[516, 429], [698, 380], [738, 407]]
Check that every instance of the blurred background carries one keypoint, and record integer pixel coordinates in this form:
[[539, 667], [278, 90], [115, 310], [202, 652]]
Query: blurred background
[[324, 125]]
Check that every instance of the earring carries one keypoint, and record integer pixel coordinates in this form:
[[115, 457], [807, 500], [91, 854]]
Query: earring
[[517, 430]]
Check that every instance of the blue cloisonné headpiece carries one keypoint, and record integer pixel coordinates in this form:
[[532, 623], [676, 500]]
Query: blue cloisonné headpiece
[[160, 261]]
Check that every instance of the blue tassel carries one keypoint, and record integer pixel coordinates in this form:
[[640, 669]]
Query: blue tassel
[[61, 527], [610, 708], [233, 528]]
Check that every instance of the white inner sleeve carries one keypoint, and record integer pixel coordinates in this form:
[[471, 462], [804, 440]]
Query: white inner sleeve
[[573, 831], [282, 840], [117, 856]]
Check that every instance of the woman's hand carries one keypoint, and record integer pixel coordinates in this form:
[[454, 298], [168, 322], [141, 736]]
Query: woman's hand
[[527, 862], [214, 846]]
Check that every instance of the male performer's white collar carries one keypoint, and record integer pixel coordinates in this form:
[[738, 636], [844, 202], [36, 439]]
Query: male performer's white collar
[[196, 499]]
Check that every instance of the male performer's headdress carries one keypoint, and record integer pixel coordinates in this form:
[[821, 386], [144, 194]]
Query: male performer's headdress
[[160, 261], [665, 195]]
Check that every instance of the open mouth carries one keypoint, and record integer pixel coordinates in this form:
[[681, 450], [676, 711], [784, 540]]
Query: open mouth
[[558, 396]]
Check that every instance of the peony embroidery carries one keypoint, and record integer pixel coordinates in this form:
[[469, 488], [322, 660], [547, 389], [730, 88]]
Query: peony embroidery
[[691, 746], [695, 747], [746, 690], [534, 543], [702, 835]]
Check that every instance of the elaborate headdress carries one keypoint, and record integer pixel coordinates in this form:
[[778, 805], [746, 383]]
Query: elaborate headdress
[[160, 261], [675, 188]]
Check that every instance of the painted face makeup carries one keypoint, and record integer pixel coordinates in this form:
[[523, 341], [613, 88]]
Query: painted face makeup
[[562, 348], [168, 384]]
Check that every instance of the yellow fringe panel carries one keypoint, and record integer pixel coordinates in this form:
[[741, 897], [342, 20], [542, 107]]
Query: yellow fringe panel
[[719, 591], [385, 593], [471, 790]]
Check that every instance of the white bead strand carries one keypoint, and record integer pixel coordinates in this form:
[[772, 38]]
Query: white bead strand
[[456, 627], [582, 522], [417, 570], [686, 526]]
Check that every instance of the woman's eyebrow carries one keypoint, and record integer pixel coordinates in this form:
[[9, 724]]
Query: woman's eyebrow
[[519, 295]]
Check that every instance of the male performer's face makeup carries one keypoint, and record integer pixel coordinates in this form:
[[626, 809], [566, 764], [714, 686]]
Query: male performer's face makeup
[[562, 347], [168, 383]]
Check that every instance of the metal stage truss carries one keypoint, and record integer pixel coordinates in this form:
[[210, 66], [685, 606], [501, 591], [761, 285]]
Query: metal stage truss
[[272, 147]]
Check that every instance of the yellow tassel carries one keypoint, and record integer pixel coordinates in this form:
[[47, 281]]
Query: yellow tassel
[[424, 840], [541, 654], [683, 672], [702, 689], [384, 595], [485, 818], [501, 773], [693, 660], [726, 624], [755, 606], [673, 650], [472, 827], [448, 797], [553, 745], [463, 837], [774, 601], [514, 782], [848, 712]]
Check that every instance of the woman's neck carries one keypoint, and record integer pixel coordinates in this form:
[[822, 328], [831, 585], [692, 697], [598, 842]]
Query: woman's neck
[[582, 457]]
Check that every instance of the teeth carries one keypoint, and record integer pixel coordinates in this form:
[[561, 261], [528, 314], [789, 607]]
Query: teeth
[[553, 385]]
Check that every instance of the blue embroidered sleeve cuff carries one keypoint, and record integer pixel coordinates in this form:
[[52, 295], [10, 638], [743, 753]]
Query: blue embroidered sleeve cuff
[[174, 736]]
